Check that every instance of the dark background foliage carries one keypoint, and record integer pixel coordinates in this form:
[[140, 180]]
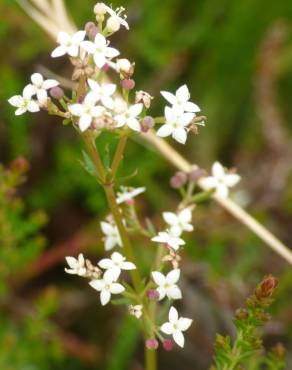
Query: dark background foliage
[[236, 57]]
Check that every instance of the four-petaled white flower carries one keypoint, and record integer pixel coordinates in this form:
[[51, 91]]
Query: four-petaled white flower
[[117, 16], [165, 237], [77, 265], [68, 44], [102, 93], [40, 86], [179, 222], [176, 326], [24, 102], [129, 117], [181, 100], [127, 194], [167, 284], [136, 310], [100, 50], [220, 180], [86, 111], [116, 264], [112, 237], [107, 286], [176, 123]]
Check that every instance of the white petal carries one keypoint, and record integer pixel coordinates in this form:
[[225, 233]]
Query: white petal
[[209, 182], [134, 124], [184, 323], [97, 284], [135, 110], [185, 215], [173, 315], [88, 46], [186, 118], [16, 101], [109, 89], [162, 293], [76, 109], [48, 84], [59, 51], [42, 95], [179, 338], [167, 328], [81, 259], [222, 190], [97, 111], [183, 94], [116, 288], [73, 51], [111, 52], [174, 292], [100, 40], [231, 179], [72, 262], [158, 277], [109, 276], [170, 218], [218, 170], [121, 120], [78, 37], [105, 297], [94, 85], [63, 38], [106, 228], [20, 111], [165, 130], [108, 102], [173, 276], [191, 107], [180, 135], [28, 91], [33, 107], [99, 60], [37, 79], [110, 243], [69, 271], [169, 97], [128, 266], [84, 122], [117, 257], [170, 114], [105, 263]]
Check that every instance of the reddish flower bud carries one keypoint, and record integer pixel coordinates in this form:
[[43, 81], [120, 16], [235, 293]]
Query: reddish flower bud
[[91, 30], [152, 294], [152, 343], [178, 180], [20, 164], [168, 345], [57, 93], [128, 84], [147, 123], [196, 174], [267, 287], [105, 68]]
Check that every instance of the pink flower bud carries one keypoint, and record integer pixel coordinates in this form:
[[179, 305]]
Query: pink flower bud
[[168, 345], [91, 30], [57, 93], [196, 174], [105, 68], [152, 343], [128, 84], [152, 294], [147, 123], [178, 180]]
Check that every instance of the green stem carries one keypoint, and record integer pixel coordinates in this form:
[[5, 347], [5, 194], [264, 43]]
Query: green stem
[[150, 359], [118, 155]]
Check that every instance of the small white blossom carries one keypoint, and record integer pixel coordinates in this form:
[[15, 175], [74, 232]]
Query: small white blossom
[[176, 123], [123, 66], [179, 222], [176, 326], [77, 265], [181, 100], [40, 86], [220, 180], [167, 284], [102, 93], [24, 102], [117, 16], [129, 117], [68, 44], [107, 286], [86, 111], [100, 50], [127, 194], [165, 237], [136, 310], [116, 264], [112, 237]]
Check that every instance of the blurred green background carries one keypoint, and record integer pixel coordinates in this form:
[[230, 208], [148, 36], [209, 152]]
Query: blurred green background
[[236, 57]]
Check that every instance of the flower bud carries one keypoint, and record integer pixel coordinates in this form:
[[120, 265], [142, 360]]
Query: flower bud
[[266, 287], [124, 66], [144, 98], [105, 68], [147, 123], [128, 84], [241, 314], [99, 9], [152, 294], [91, 30], [57, 93], [196, 174], [168, 345], [178, 180], [152, 343], [113, 24], [20, 164]]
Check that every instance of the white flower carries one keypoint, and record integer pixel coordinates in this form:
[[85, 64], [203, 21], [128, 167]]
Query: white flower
[[40, 86], [68, 44], [167, 284], [127, 194], [176, 123], [116, 263], [107, 286], [165, 237], [24, 102], [120, 105], [112, 236], [100, 50], [123, 66], [103, 92], [181, 100], [77, 265], [129, 117], [176, 326], [117, 16], [220, 180], [136, 310], [179, 222], [87, 111]]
